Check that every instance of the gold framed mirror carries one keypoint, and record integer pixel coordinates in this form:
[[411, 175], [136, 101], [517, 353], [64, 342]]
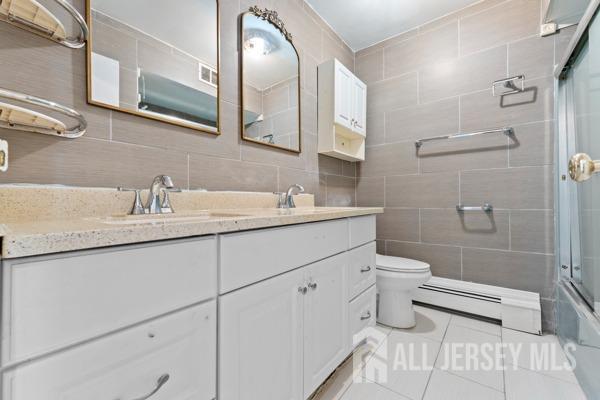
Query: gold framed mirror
[[155, 59], [269, 81]]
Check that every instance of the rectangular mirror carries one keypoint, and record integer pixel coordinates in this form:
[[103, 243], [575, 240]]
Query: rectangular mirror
[[156, 59], [270, 81]]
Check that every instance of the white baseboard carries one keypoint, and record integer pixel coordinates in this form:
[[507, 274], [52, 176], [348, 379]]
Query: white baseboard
[[517, 309]]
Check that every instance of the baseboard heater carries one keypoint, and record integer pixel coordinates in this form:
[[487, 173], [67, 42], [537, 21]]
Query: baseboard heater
[[517, 309]]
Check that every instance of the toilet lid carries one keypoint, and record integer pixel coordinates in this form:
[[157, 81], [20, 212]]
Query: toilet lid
[[399, 264]]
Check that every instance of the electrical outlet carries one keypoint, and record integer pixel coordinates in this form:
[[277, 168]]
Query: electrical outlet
[[3, 155]]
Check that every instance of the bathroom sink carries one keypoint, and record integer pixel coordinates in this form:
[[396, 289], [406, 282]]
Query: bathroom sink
[[167, 218]]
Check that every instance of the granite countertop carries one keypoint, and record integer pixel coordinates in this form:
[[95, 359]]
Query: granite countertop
[[22, 238]]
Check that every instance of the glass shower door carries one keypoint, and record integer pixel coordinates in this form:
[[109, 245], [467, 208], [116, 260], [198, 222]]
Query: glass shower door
[[583, 141]]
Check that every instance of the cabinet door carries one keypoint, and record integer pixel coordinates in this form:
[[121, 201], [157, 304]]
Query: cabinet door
[[343, 95], [359, 109], [260, 340], [325, 320]]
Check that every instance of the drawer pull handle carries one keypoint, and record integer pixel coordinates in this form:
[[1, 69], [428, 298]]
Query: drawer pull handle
[[159, 383], [313, 285], [365, 269], [366, 316], [302, 289]]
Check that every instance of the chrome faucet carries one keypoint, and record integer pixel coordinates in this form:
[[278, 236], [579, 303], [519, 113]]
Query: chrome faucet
[[160, 183], [286, 200]]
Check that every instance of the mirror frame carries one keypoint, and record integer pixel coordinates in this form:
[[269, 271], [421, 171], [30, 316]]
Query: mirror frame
[[167, 120], [271, 17]]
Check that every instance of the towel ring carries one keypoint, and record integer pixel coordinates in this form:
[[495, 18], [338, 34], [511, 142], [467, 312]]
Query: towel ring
[[71, 42], [69, 133]]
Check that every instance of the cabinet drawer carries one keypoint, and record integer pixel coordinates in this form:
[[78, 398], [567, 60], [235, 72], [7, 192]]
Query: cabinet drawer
[[251, 256], [128, 365], [362, 230], [362, 269], [362, 314], [53, 302]]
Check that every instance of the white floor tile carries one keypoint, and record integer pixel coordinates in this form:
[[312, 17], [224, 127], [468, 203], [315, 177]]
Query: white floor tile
[[526, 346], [408, 361], [473, 355], [370, 391], [445, 386], [523, 384], [476, 324], [431, 323]]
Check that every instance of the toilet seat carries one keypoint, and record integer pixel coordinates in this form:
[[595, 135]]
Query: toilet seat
[[399, 264]]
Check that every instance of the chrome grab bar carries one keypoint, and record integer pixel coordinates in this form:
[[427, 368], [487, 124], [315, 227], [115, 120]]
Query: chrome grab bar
[[486, 208], [508, 131], [70, 133], [71, 42]]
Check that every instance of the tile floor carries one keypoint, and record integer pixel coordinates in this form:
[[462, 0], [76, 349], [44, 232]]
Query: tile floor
[[438, 351]]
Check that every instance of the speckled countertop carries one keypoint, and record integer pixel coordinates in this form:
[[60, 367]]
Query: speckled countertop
[[75, 226]]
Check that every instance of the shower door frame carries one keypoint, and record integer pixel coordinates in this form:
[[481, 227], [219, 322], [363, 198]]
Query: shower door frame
[[566, 194]]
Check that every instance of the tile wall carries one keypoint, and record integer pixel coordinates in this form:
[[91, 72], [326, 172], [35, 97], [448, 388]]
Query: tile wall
[[436, 80], [121, 149]]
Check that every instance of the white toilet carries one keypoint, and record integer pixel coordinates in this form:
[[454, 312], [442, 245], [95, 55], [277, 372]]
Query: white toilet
[[397, 278]]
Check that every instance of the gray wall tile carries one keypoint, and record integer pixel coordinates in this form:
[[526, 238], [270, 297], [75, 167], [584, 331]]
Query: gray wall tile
[[222, 174], [471, 229], [341, 191], [512, 188], [523, 271], [398, 224], [429, 47], [510, 21], [445, 261], [532, 230], [463, 75], [535, 145], [369, 67], [423, 120], [390, 159], [393, 93], [533, 57], [481, 110], [422, 191], [370, 192]]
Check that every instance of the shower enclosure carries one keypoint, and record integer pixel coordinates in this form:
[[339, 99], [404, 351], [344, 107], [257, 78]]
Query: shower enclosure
[[578, 198]]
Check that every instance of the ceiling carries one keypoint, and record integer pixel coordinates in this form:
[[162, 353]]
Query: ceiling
[[363, 23]]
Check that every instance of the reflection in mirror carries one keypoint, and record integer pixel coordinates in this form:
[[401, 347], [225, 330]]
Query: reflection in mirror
[[156, 59], [270, 82]]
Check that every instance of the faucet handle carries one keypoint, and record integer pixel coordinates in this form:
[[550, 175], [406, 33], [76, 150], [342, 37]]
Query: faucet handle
[[165, 206], [137, 208], [280, 199]]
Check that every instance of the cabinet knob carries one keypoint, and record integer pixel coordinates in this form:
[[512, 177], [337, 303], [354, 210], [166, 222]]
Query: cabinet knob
[[366, 316], [365, 269], [313, 285], [302, 289]]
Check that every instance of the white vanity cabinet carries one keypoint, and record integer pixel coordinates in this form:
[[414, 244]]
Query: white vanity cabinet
[[342, 114], [282, 335], [263, 314]]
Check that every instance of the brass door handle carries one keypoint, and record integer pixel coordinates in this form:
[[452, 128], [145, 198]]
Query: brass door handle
[[582, 167]]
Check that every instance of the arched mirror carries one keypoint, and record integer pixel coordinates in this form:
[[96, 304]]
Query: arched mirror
[[270, 81]]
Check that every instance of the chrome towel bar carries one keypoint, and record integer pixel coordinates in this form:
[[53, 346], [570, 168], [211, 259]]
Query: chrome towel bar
[[486, 208], [71, 42], [69, 133], [508, 131]]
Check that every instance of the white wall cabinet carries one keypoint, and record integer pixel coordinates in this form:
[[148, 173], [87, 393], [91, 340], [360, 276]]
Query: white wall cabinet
[[342, 112]]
